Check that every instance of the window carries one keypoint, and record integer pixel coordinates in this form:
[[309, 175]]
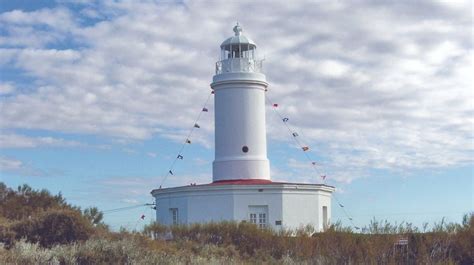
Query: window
[[245, 149], [174, 216], [262, 220], [253, 218], [258, 215], [325, 217]]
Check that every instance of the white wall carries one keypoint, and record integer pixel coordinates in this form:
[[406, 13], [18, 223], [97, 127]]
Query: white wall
[[294, 205], [300, 208], [267, 197], [240, 121]]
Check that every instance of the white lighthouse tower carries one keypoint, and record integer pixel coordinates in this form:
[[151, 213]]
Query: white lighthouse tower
[[240, 135], [241, 189]]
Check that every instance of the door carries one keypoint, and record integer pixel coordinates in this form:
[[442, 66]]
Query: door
[[258, 214]]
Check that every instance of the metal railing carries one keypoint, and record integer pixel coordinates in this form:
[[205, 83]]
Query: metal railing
[[239, 65]]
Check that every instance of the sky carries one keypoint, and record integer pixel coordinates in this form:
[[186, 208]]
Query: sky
[[97, 97]]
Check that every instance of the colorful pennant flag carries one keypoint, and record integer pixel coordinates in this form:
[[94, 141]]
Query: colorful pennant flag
[[171, 172], [180, 157], [205, 109], [275, 105], [305, 148], [196, 125], [295, 134], [188, 141], [285, 119]]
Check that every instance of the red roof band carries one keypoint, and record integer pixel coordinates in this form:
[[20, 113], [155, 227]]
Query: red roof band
[[242, 182]]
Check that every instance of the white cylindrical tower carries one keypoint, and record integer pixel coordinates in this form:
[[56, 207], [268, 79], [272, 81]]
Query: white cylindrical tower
[[240, 135]]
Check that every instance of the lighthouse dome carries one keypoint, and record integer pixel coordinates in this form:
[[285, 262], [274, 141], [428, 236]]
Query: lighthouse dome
[[238, 39]]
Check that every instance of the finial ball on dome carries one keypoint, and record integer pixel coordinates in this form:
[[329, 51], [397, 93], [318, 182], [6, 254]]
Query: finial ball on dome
[[237, 29]]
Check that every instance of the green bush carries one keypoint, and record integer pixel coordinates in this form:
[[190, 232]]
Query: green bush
[[54, 227], [26, 202]]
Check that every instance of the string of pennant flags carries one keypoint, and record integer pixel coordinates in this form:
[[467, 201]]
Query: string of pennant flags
[[314, 164], [295, 137], [187, 141], [293, 133]]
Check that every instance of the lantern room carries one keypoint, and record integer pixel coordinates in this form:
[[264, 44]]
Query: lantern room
[[238, 54], [238, 46]]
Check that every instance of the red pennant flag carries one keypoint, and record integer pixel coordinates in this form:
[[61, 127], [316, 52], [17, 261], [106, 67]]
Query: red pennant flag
[[305, 148], [275, 105]]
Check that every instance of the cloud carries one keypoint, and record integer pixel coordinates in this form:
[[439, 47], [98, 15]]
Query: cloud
[[17, 167], [20, 141], [36, 28], [8, 164], [6, 88], [151, 154], [366, 85]]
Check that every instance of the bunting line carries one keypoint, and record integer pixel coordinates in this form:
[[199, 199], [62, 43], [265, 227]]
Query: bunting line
[[187, 140], [305, 151], [295, 135]]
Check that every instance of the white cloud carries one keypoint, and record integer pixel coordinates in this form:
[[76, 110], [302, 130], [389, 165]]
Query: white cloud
[[151, 154], [36, 28], [372, 86], [20, 141], [9, 164], [17, 167], [6, 88]]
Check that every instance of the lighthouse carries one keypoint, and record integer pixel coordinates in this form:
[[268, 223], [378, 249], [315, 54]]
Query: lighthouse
[[240, 135], [241, 189]]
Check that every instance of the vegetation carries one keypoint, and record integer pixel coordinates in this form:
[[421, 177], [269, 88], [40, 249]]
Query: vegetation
[[39, 228]]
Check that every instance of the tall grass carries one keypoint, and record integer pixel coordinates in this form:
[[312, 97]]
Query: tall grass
[[244, 243], [445, 243], [39, 228]]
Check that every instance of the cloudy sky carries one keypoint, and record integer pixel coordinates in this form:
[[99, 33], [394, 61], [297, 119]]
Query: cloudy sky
[[96, 98]]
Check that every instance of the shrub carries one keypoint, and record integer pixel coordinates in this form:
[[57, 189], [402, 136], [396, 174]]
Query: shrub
[[54, 227], [26, 202]]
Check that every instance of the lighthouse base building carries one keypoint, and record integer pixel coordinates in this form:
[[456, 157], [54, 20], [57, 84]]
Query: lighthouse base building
[[242, 189], [267, 204]]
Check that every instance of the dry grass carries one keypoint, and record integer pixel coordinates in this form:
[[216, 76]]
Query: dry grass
[[38, 228]]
